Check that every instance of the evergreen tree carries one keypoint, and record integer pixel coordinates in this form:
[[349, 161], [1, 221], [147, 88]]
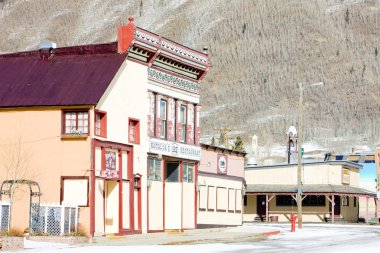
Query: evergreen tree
[[238, 146]]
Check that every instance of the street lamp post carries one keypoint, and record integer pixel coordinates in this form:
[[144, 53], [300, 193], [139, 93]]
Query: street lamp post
[[299, 168]]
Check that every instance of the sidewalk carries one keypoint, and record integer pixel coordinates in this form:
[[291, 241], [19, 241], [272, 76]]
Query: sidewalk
[[239, 234]]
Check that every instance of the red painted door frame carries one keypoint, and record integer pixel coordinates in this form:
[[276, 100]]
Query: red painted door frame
[[120, 147]]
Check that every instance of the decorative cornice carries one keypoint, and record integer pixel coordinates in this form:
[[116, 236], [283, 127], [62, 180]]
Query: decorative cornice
[[144, 36], [183, 52], [174, 81], [171, 47]]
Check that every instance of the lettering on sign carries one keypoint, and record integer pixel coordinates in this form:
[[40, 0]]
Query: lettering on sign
[[175, 149]]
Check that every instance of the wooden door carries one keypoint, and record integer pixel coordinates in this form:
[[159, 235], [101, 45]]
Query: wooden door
[[336, 206], [261, 205]]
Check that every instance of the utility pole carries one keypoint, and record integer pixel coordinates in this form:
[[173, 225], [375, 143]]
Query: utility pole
[[300, 134], [299, 168]]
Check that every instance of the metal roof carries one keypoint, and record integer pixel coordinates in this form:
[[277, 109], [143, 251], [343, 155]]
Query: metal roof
[[308, 188], [58, 77]]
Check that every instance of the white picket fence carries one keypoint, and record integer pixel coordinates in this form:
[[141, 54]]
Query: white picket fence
[[4, 215], [53, 219]]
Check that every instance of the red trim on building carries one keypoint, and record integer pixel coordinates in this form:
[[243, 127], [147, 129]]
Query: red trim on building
[[92, 190], [103, 123], [163, 191], [136, 130], [120, 153], [196, 195]]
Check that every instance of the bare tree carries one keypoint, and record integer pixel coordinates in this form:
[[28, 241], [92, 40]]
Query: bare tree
[[15, 164]]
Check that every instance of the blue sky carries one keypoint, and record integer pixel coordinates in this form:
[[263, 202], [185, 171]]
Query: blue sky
[[368, 176]]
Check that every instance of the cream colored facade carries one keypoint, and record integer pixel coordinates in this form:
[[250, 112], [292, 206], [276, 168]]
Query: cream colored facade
[[315, 173], [276, 185], [220, 189]]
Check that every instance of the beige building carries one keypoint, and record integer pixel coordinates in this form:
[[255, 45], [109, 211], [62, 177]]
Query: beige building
[[220, 187], [112, 128], [330, 192]]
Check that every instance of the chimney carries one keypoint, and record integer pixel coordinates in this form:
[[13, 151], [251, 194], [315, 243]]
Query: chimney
[[47, 45], [125, 36], [46, 49]]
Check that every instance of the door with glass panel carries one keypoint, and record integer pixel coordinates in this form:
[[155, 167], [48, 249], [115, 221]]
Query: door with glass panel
[[173, 195]]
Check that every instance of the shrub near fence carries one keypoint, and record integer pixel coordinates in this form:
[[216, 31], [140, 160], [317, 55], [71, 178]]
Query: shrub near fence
[[53, 219]]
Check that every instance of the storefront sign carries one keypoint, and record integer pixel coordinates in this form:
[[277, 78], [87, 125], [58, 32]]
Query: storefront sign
[[170, 148], [109, 174]]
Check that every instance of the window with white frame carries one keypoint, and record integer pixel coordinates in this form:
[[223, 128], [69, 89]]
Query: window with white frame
[[154, 169], [163, 118], [75, 122], [182, 118]]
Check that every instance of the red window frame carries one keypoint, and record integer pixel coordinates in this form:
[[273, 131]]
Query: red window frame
[[63, 128], [134, 127], [102, 117]]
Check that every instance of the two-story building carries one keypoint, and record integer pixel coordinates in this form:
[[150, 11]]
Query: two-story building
[[330, 192], [112, 128]]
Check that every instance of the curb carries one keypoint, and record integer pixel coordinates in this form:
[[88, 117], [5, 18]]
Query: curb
[[275, 232]]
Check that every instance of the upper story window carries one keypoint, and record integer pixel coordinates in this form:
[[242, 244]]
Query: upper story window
[[182, 118], [75, 122], [134, 131], [163, 110], [100, 124]]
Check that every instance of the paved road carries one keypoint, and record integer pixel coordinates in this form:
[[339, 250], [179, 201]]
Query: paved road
[[326, 238], [321, 238]]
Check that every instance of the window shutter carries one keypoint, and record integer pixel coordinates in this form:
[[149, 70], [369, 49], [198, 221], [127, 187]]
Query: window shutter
[[197, 125], [158, 120], [178, 120], [152, 101], [190, 124], [171, 119]]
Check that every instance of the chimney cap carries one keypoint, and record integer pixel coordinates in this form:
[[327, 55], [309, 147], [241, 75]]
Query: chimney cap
[[131, 19], [46, 44], [205, 50]]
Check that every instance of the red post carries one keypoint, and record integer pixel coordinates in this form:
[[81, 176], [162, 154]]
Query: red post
[[293, 219]]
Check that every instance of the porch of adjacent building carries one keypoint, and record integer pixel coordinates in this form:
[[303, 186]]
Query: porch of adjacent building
[[317, 206]]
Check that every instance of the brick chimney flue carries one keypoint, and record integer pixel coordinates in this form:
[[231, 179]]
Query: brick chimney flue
[[125, 36]]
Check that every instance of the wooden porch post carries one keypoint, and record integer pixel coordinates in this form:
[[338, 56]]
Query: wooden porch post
[[266, 208], [332, 208]]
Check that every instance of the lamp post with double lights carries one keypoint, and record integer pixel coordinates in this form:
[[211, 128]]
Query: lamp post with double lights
[[301, 87]]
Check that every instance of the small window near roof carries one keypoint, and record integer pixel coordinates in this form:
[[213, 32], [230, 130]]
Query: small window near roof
[[100, 124], [134, 131], [75, 122]]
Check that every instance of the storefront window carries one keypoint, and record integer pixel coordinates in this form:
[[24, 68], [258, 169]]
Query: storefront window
[[154, 169], [188, 172], [172, 172]]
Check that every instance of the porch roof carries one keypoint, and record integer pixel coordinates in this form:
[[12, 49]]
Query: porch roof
[[309, 188]]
